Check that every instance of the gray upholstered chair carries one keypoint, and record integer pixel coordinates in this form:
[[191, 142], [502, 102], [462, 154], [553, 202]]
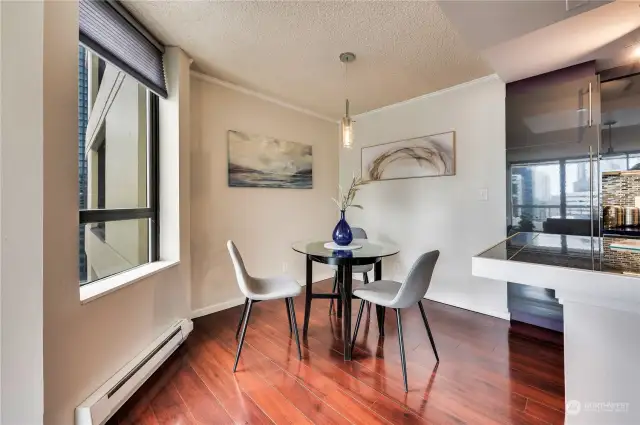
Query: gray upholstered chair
[[260, 289], [395, 295], [358, 233]]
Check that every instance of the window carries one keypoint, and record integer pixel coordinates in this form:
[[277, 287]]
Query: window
[[117, 158]]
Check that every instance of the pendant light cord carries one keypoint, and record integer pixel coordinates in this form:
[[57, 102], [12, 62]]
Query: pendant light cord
[[344, 74], [346, 87]]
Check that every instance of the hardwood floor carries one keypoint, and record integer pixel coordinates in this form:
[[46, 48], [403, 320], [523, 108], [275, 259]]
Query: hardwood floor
[[488, 373]]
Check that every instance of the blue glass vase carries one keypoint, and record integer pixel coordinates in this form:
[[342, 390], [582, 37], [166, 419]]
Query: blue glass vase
[[342, 233]]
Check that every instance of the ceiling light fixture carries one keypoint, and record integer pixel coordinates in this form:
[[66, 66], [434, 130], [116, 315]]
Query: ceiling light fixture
[[636, 52], [347, 123]]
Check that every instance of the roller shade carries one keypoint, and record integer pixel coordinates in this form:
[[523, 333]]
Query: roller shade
[[111, 32]]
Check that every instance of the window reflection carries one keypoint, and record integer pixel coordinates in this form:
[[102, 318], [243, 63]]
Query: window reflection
[[535, 194], [559, 189]]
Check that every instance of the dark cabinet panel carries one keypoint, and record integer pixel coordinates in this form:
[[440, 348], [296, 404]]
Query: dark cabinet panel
[[554, 108], [552, 140]]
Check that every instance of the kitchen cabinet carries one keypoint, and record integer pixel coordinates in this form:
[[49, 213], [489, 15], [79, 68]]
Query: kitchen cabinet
[[552, 150], [554, 108]]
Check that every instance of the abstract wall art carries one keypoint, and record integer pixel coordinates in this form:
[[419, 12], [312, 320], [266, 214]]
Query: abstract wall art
[[425, 156], [260, 161]]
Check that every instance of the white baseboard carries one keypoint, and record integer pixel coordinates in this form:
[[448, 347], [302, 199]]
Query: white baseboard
[[234, 302], [498, 314], [107, 399]]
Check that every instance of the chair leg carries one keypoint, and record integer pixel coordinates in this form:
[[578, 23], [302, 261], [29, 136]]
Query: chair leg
[[333, 291], [286, 303], [339, 299], [365, 277], [244, 310], [426, 325], [242, 334], [355, 331], [381, 316], [402, 355], [294, 324]]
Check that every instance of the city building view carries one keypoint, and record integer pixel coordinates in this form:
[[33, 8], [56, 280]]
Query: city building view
[[557, 189], [83, 114]]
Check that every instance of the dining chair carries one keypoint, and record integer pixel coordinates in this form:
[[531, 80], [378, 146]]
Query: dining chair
[[358, 233], [395, 295], [262, 289]]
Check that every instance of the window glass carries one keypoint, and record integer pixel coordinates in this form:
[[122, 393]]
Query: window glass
[[115, 246], [116, 139], [577, 188], [83, 115], [613, 163], [535, 192], [634, 160], [114, 149]]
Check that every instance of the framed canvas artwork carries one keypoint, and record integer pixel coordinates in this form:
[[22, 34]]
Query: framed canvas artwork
[[425, 156], [260, 161]]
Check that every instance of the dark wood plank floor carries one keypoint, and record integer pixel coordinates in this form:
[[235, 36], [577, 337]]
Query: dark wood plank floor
[[489, 372]]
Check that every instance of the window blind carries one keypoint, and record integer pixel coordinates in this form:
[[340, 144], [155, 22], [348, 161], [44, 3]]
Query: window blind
[[111, 32]]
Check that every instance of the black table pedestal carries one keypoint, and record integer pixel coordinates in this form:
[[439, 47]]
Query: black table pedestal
[[309, 296], [345, 278], [347, 281], [380, 311]]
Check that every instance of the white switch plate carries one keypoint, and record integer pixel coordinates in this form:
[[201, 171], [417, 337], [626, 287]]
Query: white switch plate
[[484, 194]]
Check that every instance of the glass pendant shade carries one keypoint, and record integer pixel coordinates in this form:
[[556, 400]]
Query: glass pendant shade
[[347, 132], [347, 128]]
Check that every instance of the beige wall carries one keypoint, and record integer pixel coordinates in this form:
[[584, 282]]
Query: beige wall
[[21, 147], [262, 221], [444, 213], [86, 344]]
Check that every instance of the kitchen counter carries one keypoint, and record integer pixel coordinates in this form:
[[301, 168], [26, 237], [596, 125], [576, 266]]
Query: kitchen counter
[[600, 293], [568, 251]]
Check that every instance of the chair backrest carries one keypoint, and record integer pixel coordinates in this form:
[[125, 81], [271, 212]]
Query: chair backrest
[[358, 233], [242, 276], [418, 280]]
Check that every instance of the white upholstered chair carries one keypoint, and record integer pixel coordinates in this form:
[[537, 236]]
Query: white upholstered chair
[[262, 289], [396, 295]]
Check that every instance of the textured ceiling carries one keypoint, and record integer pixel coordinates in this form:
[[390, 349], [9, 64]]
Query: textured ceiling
[[290, 50]]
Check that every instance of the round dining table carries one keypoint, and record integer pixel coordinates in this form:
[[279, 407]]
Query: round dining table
[[370, 252]]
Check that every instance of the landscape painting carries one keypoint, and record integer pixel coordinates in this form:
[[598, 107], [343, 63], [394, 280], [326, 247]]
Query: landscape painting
[[426, 156], [260, 161]]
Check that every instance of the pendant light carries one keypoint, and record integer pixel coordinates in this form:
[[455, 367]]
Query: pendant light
[[347, 123]]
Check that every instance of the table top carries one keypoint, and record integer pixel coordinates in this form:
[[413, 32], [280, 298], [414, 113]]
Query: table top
[[370, 251], [565, 251]]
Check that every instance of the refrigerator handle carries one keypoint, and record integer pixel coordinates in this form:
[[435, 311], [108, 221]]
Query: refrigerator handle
[[599, 195], [590, 107], [591, 202]]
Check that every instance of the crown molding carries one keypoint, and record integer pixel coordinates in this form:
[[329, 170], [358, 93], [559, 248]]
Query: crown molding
[[432, 94], [261, 96]]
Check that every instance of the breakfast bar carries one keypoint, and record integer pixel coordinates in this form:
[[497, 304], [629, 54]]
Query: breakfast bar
[[597, 280]]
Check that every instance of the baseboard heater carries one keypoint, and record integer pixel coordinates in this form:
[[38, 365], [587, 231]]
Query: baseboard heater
[[103, 403]]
